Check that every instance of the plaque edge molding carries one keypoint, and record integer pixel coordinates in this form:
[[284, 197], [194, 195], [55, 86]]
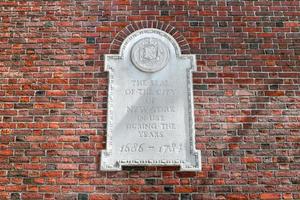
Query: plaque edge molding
[[162, 33], [105, 153]]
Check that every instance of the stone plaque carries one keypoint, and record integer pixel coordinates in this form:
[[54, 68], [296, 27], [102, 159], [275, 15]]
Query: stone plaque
[[150, 104]]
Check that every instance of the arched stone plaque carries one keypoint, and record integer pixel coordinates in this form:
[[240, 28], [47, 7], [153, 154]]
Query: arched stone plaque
[[150, 104]]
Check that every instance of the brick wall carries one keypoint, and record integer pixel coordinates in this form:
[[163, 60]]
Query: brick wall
[[53, 98]]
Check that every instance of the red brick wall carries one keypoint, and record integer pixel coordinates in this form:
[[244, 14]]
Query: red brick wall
[[53, 98]]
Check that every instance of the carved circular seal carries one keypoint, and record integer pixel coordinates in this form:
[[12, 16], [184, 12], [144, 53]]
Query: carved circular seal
[[150, 54]]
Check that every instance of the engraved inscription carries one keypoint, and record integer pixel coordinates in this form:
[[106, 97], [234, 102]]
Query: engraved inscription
[[150, 118], [143, 147]]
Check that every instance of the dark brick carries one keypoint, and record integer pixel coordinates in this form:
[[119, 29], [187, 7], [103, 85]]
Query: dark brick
[[282, 159], [100, 75], [269, 51], [15, 196], [133, 168], [27, 181], [51, 166], [75, 69], [168, 188], [279, 24], [226, 63], [89, 63], [150, 181], [265, 146], [17, 174], [211, 74], [165, 13], [200, 87], [48, 24], [225, 46], [84, 138], [90, 40], [87, 99], [163, 3], [274, 87], [296, 180], [23, 106], [16, 57], [40, 93], [254, 46], [83, 196], [267, 29], [185, 196], [194, 23], [20, 138], [223, 24]]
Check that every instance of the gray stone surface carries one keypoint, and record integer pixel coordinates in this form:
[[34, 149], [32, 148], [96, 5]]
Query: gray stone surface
[[150, 106]]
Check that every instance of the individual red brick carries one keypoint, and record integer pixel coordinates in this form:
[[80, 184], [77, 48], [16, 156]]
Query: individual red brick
[[15, 188], [270, 196], [100, 197], [57, 81], [67, 166], [185, 174], [135, 189], [68, 139], [152, 189], [52, 174], [116, 189], [185, 189], [49, 189], [133, 197], [274, 93], [67, 181], [167, 197], [287, 196], [34, 166], [31, 195], [292, 24], [55, 93], [49, 105], [6, 152], [4, 181], [251, 160], [35, 138], [104, 29], [237, 197], [167, 181], [243, 93], [76, 40]]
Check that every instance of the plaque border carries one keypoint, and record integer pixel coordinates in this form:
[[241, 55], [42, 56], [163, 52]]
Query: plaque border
[[106, 164]]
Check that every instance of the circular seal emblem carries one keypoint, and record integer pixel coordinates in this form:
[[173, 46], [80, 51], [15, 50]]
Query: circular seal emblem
[[150, 54]]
